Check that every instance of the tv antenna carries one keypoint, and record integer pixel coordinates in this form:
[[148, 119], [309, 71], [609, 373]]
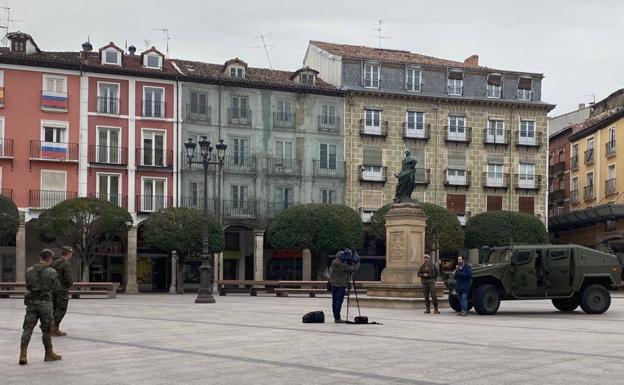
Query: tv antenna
[[267, 45], [7, 22], [165, 29], [380, 35], [593, 98]]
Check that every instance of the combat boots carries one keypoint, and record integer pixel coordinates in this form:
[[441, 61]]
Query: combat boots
[[23, 359], [428, 308], [56, 332], [50, 355], [435, 309]]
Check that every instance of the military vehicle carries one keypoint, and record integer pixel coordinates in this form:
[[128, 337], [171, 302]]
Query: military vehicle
[[569, 275]]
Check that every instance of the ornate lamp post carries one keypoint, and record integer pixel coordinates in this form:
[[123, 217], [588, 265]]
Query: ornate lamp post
[[205, 270]]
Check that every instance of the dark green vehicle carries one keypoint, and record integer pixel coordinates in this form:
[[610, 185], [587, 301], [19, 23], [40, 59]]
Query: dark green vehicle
[[569, 275]]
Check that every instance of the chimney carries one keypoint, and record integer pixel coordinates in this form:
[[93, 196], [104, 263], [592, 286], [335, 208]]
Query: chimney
[[581, 106], [472, 61], [86, 46], [132, 49]]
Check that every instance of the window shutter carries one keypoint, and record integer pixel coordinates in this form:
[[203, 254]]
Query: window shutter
[[526, 205], [323, 155], [525, 83], [372, 156], [457, 160], [455, 75], [494, 203], [496, 159], [372, 199], [456, 203], [419, 154], [495, 79]]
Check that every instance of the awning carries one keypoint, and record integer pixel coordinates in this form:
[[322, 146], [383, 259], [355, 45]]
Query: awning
[[586, 217]]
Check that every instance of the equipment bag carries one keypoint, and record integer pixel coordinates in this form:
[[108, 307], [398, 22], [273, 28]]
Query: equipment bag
[[313, 317]]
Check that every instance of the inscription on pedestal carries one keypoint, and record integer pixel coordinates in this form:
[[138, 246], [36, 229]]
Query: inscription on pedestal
[[398, 245]]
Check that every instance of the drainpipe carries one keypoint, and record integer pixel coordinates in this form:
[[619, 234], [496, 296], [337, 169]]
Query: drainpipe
[[177, 147], [436, 162]]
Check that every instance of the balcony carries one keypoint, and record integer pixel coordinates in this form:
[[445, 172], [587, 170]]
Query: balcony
[[6, 148], [589, 156], [53, 151], [557, 195], [495, 180], [54, 101], [457, 134], [496, 137], [328, 169], [610, 187], [555, 169], [379, 131], [574, 161], [153, 109], [106, 155], [284, 120], [153, 158], [588, 193], [284, 167], [109, 106], [119, 200], [196, 202], [378, 174], [198, 113], [240, 164], [574, 197], [422, 176], [7, 193], [526, 140], [329, 124], [46, 199], [457, 177], [239, 117], [527, 181], [239, 209], [610, 148], [417, 132], [275, 208], [153, 203]]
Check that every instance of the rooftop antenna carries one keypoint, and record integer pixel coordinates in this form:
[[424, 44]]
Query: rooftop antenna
[[7, 22], [267, 45], [593, 98], [379, 30], [165, 29]]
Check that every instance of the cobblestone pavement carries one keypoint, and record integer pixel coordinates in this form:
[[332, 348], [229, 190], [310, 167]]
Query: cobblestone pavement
[[167, 339]]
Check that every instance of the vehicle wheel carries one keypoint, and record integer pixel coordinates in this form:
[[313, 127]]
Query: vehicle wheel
[[454, 302], [486, 300], [595, 299], [566, 304]]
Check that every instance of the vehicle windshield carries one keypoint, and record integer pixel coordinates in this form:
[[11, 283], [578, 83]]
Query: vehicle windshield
[[502, 255]]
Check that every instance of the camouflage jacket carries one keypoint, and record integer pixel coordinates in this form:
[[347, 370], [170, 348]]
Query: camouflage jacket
[[63, 270], [340, 273], [431, 270], [41, 281]]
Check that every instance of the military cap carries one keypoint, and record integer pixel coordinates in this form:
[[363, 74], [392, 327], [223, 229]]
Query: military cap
[[67, 249], [46, 253]]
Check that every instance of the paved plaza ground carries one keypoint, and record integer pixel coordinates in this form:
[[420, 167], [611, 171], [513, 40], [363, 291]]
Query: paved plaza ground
[[167, 339]]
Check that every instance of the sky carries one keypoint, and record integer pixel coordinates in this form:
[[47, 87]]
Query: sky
[[575, 44]]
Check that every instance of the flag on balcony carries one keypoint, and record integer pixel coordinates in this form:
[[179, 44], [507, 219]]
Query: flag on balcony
[[54, 100], [1, 96], [52, 150]]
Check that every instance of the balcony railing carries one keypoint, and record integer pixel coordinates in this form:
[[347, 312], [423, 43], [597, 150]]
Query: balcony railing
[[45, 199], [496, 138], [557, 168], [495, 180], [119, 200], [524, 139], [559, 210], [373, 174], [557, 195], [589, 156], [239, 209], [7, 193], [239, 117], [329, 124], [154, 158], [418, 132], [152, 203], [588, 192], [610, 148], [527, 181], [274, 208], [328, 169], [108, 155], [53, 151], [524, 94], [574, 197], [6, 148], [108, 105], [610, 188], [422, 176], [285, 120], [198, 113], [54, 101], [153, 109], [457, 177], [283, 166], [458, 134], [240, 164], [197, 202], [380, 130], [574, 163]]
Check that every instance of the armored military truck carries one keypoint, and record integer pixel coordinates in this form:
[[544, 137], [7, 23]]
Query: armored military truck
[[568, 275]]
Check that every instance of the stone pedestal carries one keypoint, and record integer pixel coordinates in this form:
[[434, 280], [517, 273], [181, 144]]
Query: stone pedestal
[[306, 265], [20, 250], [258, 255], [131, 263]]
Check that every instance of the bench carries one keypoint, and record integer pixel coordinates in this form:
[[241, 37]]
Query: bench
[[284, 291], [245, 286], [108, 289]]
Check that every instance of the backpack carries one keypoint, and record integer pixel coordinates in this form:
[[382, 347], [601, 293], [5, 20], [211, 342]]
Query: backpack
[[313, 317]]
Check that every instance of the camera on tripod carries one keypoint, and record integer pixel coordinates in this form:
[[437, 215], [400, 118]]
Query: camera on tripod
[[349, 256]]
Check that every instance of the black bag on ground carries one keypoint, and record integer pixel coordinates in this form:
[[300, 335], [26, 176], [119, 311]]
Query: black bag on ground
[[313, 317]]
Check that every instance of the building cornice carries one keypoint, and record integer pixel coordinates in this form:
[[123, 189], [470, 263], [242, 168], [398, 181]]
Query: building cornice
[[596, 126]]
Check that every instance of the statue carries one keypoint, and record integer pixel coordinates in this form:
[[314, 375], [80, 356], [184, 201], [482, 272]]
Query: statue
[[406, 179]]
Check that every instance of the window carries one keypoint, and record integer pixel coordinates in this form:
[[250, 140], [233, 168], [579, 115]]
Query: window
[[152, 61], [53, 188], [111, 56], [522, 257], [372, 161], [372, 122], [494, 86], [589, 186], [415, 124], [238, 195], [108, 145], [496, 131], [153, 196], [367, 215], [456, 172], [284, 115], [526, 205], [574, 193], [18, 45], [153, 102], [590, 143], [561, 184], [108, 98], [239, 107], [283, 198], [371, 75], [284, 149], [237, 72], [54, 84], [108, 188], [610, 182], [306, 79], [494, 203], [527, 132], [193, 198], [54, 95], [495, 175], [525, 88], [328, 196], [456, 203], [457, 128], [198, 108], [561, 154], [612, 134], [328, 116], [526, 175], [589, 153], [328, 157], [240, 151], [153, 151], [53, 134], [455, 82], [413, 79]]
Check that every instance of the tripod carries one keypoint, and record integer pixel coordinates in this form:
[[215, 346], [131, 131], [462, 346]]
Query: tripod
[[357, 301]]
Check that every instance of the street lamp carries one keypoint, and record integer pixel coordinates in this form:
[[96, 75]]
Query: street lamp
[[204, 295]]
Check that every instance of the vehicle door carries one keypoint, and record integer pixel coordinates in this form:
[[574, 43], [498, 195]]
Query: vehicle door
[[559, 272], [523, 277]]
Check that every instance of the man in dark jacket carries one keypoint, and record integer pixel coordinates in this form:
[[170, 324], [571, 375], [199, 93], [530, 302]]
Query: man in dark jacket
[[345, 264], [428, 274], [463, 276], [61, 294]]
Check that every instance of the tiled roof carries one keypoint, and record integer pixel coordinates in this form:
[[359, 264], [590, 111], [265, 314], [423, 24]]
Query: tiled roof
[[596, 122]]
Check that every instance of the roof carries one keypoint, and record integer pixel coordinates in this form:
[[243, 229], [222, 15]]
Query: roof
[[593, 124], [359, 52], [586, 217]]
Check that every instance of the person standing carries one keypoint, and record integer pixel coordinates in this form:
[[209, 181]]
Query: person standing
[[345, 264], [41, 280], [463, 276], [429, 273], [61, 294]]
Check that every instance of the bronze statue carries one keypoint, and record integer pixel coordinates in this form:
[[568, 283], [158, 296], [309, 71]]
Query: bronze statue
[[406, 179]]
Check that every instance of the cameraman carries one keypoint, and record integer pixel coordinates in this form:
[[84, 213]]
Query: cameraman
[[345, 264]]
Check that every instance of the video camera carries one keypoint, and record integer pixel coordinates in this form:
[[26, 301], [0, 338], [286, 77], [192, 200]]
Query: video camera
[[348, 256]]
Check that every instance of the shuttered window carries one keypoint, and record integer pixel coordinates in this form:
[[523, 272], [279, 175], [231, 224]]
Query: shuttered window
[[495, 79], [53, 180], [457, 160], [524, 83], [372, 156], [456, 203], [494, 203], [526, 205]]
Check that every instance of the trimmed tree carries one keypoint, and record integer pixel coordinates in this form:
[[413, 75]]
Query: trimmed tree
[[9, 222], [86, 224], [501, 228], [322, 228], [442, 226], [181, 229]]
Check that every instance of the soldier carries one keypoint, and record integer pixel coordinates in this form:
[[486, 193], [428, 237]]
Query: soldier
[[428, 274], [61, 294], [41, 281]]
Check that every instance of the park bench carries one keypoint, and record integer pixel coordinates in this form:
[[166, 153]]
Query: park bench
[[245, 286], [108, 289]]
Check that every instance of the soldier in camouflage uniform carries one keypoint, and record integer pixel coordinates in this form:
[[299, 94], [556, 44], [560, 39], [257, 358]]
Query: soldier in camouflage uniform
[[61, 294], [41, 280], [428, 274]]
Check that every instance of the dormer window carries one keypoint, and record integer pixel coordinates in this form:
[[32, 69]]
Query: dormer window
[[525, 89], [111, 56], [21, 42], [237, 72], [371, 75], [18, 45], [307, 79], [152, 61]]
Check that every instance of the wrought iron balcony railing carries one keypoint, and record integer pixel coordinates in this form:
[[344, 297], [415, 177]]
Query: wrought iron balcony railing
[[118, 199], [153, 109], [53, 151], [610, 187], [495, 180], [329, 124], [153, 203], [325, 168], [198, 113], [458, 134], [496, 137], [117, 156], [154, 158], [46, 199], [283, 166], [527, 181], [240, 164], [6, 148], [373, 174], [239, 117], [374, 130], [284, 120], [415, 131], [457, 177], [108, 105]]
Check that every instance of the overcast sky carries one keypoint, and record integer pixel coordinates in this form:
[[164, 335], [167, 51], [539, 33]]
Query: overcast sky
[[576, 44]]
